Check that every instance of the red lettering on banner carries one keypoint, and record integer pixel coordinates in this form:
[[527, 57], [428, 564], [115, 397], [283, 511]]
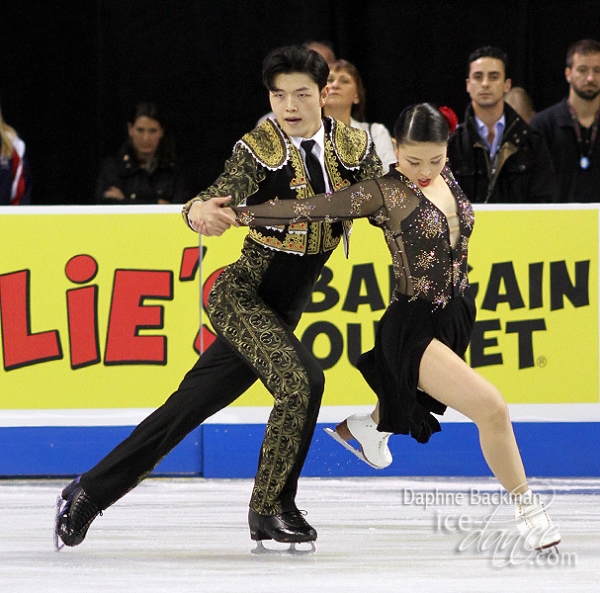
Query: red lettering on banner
[[81, 269], [82, 312], [206, 336], [20, 346], [128, 315], [189, 263]]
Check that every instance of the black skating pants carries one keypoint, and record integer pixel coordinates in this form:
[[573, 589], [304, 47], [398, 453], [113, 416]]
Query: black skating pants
[[254, 306]]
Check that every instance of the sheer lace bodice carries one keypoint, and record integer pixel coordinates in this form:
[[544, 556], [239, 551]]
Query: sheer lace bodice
[[426, 265]]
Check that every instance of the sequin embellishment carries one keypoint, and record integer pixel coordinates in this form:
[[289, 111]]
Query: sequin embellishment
[[379, 217], [396, 197], [357, 199], [245, 217], [432, 223], [425, 259], [302, 210]]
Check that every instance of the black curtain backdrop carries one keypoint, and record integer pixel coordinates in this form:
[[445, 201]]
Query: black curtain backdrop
[[71, 71]]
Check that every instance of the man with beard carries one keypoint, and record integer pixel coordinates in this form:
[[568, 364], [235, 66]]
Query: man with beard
[[571, 126]]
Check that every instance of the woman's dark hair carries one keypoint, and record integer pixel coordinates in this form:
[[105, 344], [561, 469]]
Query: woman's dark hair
[[358, 109], [423, 122], [165, 152], [149, 110], [292, 59]]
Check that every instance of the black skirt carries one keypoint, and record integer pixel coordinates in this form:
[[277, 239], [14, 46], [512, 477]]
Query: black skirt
[[392, 368]]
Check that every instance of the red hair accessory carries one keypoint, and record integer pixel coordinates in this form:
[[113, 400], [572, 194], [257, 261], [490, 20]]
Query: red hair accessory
[[450, 116]]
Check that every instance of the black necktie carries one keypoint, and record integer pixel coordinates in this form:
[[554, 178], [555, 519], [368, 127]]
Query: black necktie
[[315, 171]]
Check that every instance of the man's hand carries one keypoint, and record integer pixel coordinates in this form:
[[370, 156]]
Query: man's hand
[[212, 218]]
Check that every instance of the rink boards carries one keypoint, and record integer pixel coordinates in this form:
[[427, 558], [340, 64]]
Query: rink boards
[[554, 449], [99, 315]]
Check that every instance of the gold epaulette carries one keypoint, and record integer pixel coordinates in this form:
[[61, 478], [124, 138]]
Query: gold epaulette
[[267, 144], [351, 145]]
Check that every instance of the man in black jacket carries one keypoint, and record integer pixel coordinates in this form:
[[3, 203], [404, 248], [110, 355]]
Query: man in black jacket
[[494, 154], [571, 126]]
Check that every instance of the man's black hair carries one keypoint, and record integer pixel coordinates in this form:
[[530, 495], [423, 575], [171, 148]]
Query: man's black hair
[[295, 59], [489, 51]]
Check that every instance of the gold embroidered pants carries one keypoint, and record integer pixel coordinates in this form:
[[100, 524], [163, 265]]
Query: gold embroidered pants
[[254, 305], [242, 312]]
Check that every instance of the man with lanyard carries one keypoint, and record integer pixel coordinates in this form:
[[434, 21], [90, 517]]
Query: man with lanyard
[[494, 154], [571, 126]]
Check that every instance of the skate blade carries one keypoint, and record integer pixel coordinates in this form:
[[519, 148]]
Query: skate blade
[[58, 545], [532, 540], [292, 550], [551, 548], [335, 436]]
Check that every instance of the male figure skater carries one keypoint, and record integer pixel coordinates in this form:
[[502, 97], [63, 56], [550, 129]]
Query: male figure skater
[[254, 307]]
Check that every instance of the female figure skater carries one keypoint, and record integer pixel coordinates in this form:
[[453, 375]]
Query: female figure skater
[[416, 366]]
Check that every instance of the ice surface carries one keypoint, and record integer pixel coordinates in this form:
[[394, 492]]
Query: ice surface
[[375, 535]]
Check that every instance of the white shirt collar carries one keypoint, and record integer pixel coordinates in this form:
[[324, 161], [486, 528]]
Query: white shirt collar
[[318, 150], [318, 137]]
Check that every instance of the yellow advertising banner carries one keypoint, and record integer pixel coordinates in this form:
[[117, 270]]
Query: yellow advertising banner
[[536, 274], [100, 307]]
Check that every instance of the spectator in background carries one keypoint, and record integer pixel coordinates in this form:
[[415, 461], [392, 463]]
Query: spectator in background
[[323, 48], [571, 126], [521, 102], [15, 181], [494, 155], [346, 102], [144, 171]]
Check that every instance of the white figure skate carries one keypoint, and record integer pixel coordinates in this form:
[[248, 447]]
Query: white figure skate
[[374, 450], [533, 522]]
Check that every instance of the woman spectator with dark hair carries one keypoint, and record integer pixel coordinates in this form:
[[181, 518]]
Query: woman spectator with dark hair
[[145, 170]]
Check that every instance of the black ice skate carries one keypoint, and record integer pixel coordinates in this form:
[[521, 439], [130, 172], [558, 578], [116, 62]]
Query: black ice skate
[[75, 511], [289, 528]]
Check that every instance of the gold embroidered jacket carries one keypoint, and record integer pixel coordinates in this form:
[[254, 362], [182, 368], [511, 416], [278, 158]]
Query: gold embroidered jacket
[[266, 165]]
